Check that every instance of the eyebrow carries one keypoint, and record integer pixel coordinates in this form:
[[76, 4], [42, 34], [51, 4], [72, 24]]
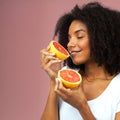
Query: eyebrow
[[79, 30]]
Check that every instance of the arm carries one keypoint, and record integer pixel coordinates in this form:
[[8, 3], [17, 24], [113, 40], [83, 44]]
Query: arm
[[117, 117], [51, 108], [86, 112], [50, 65]]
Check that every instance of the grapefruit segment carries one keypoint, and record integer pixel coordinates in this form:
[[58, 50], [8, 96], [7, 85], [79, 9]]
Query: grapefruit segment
[[59, 50], [70, 78]]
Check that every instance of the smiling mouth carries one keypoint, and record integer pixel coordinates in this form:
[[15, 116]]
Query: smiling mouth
[[72, 53]]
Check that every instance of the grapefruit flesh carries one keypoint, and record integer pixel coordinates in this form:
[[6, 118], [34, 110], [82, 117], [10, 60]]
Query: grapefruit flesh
[[70, 78], [59, 50]]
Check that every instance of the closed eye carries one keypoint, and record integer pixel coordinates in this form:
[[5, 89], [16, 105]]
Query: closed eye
[[80, 37]]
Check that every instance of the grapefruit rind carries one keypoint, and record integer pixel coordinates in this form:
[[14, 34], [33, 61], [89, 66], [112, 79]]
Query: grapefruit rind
[[68, 84], [58, 54]]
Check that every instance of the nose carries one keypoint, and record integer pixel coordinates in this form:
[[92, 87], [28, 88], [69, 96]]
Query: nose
[[72, 42]]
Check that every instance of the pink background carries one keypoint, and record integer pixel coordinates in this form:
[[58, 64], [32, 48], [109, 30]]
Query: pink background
[[27, 26]]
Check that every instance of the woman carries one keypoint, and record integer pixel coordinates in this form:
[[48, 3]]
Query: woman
[[92, 36]]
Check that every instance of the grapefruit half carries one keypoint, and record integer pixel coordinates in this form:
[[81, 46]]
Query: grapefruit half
[[59, 50], [70, 78]]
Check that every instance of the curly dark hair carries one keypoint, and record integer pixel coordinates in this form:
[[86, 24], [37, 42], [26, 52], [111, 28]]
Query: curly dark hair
[[104, 30]]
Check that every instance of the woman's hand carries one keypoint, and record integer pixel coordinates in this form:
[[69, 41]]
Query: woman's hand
[[75, 97], [50, 63]]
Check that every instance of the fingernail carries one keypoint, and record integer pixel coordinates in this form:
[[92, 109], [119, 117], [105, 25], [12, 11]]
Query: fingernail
[[59, 60], [52, 53], [57, 80]]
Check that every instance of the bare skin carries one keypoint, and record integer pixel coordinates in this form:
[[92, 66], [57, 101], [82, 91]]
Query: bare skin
[[94, 82], [51, 65]]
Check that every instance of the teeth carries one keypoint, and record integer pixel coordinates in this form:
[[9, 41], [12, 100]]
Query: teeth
[[74, 52]]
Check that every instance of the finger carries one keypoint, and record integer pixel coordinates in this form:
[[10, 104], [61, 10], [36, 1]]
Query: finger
[[48, 47], [63, 92], [54, 61], [50, 59], [45, 51], [63, 89], [44, 55], [57, 88], [54, 65], [56, 85], [50, 67]]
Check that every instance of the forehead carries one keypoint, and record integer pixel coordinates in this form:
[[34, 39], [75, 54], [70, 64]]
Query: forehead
[[77, 25]]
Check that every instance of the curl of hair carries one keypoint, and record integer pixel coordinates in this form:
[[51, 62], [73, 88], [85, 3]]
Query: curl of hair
[[103, 27]]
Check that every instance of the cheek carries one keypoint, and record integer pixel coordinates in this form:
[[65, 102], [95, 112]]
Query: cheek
[[85, 44], [86, 48]]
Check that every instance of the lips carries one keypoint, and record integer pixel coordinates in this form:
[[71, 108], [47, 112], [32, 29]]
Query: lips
[[72, 53]]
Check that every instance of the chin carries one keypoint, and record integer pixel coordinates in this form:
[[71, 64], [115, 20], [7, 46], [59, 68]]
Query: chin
[[77, 61]]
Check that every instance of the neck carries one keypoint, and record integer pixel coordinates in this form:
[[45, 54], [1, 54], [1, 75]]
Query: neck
[[94, 72]]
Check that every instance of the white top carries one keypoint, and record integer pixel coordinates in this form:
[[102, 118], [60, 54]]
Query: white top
[[103, 107]]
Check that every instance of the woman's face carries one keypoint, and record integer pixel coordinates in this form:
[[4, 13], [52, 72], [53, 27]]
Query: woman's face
[[79, 44]]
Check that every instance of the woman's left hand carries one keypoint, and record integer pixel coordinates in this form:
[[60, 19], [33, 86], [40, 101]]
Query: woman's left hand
[[75, 97]]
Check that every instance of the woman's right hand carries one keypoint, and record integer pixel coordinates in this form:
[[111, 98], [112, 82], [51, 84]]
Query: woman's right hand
[[50, 63]]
